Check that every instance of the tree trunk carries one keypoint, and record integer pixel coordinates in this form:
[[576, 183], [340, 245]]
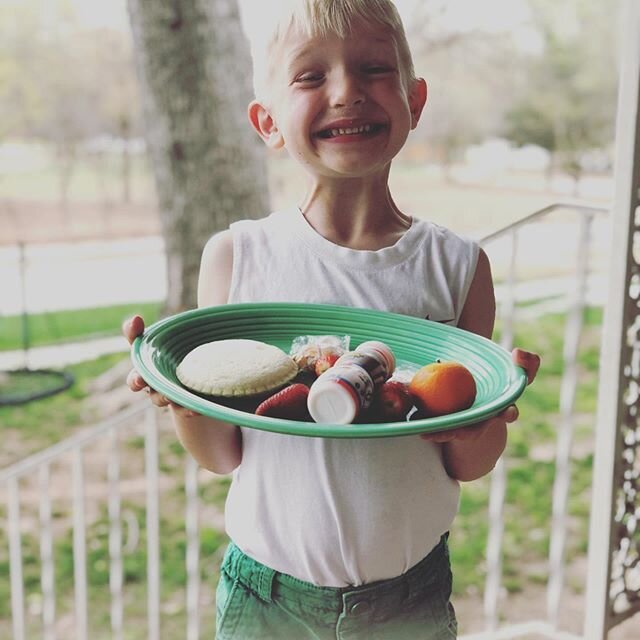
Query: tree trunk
[[194, 69], [124, 133]]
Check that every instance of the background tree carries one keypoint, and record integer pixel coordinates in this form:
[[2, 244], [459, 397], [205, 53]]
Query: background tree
[[63, 84], [21, 101], [567, 102], [72, 114], [194, 68], [119, 100], [467, 96]]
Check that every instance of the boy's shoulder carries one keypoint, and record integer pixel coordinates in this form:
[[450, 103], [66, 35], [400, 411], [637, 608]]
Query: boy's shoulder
[[277, 218], [441, 234]]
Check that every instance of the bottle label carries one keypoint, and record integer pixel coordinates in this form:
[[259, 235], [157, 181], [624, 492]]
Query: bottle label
[[380, 351], [353, 378], [376, 367]]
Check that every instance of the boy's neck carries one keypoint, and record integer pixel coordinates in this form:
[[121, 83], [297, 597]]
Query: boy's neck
[[356, 213]]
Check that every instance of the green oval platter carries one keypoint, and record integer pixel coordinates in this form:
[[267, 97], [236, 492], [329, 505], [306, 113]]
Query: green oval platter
[[414, 341]]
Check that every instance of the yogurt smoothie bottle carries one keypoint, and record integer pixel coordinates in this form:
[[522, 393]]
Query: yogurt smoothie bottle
[[346, 389]]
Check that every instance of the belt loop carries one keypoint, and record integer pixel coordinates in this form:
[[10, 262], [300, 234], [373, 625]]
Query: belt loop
[[228, 561], [265, 583], [256, 577]]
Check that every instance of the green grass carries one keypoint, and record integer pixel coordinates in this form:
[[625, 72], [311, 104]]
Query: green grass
[[65, 326], [40, 423]]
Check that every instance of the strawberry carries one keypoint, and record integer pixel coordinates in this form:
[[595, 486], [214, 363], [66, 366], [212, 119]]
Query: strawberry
[[325, 362], [289, 403], [393, 401]]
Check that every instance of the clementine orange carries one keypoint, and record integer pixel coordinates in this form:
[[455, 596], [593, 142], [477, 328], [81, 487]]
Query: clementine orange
[[443, 387]]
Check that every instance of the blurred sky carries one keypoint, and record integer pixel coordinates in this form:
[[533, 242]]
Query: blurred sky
[[490, 15]]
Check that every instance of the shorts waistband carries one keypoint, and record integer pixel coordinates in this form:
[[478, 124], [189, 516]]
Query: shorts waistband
[[266, 582]]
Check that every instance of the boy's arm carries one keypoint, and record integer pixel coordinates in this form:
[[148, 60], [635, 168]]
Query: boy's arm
[[215, 445], [472, 452]]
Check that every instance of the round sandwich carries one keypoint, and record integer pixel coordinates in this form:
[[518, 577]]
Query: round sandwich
[[235, 368]]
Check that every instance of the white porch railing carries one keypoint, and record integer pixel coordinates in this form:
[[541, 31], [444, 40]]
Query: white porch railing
[[576, 301], [35, 471]]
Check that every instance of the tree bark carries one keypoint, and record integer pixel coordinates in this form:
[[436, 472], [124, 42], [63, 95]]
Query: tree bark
[[194, 70]]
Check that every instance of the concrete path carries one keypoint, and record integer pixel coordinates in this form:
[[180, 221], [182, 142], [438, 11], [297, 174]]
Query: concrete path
[[63, 355]]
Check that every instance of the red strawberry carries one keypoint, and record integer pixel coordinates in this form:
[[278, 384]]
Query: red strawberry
[[393, 401], [289, 403], [325, 362]]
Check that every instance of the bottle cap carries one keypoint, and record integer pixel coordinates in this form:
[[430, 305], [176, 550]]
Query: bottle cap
[[332, 403]]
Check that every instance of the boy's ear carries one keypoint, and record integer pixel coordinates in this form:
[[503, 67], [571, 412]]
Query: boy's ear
[[264, 124], [417, 100]]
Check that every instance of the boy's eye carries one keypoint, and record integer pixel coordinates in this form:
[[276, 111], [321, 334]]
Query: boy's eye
[[307, 78], [377, 68]]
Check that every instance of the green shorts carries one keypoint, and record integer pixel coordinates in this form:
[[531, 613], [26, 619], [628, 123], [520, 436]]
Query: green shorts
[[254, 602]]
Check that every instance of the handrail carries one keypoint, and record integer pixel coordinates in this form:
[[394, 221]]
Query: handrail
[[40, 462], [581, 208], [568, 385], [71, 443]]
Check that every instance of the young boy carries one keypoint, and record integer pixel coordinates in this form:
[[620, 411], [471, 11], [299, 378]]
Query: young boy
[[336, 538]]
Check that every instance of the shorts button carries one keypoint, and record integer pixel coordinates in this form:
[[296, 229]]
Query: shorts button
[[359, 608]]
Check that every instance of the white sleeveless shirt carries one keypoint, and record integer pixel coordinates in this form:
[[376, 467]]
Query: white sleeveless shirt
[[342, 512]]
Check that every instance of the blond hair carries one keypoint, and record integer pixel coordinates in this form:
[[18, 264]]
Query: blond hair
[[318, 18]]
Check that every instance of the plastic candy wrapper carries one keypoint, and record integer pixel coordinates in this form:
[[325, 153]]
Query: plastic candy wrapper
[[404, 372], [307, 350]]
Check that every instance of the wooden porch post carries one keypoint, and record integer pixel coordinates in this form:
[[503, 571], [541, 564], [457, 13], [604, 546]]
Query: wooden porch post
[[613, 586]]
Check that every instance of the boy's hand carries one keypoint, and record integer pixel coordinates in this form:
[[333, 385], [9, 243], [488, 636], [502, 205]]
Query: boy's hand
[[530, 362], [132, 328]]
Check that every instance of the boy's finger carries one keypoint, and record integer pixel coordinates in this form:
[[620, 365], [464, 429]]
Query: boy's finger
[[462, 433], [158, 399], [510, 414], [438, 438], [132, 328], [188, 413], [530, 362], [135, 382]]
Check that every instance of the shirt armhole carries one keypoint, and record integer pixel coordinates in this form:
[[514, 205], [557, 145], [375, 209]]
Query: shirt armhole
[[474, 249], [236, 236]]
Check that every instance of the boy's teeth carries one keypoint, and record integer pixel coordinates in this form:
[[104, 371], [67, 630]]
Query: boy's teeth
[[351, 130]]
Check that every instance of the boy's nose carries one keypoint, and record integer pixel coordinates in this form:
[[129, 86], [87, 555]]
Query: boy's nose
[[346, 92]]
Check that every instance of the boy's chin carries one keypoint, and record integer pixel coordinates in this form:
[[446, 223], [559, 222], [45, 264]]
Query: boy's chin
[[345, 173], [358, 168]]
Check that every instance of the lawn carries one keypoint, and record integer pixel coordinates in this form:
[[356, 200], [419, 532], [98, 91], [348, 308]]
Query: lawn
[[65, 326], [529, 461], [93, 178]]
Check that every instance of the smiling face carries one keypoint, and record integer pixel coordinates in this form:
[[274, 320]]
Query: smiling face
[[340, 106]]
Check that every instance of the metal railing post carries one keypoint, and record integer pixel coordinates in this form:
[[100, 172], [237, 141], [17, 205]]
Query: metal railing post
[[568, 386], [152, 523], [47, 576], [499, 473], [79, 546], [612, 586], [115, 539], [193, 548], [15, 561]]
